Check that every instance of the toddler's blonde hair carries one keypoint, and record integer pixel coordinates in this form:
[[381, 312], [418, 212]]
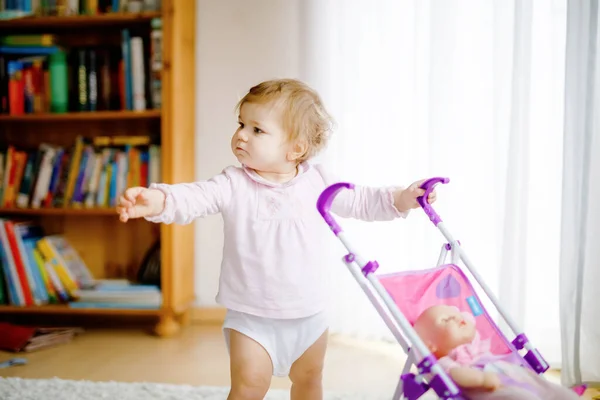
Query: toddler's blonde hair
[[304, 115]]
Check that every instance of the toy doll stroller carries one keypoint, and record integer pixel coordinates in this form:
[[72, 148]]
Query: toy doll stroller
[[407, 294]]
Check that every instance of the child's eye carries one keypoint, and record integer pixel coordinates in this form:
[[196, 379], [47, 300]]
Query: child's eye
[[241, 124], [257, 130]]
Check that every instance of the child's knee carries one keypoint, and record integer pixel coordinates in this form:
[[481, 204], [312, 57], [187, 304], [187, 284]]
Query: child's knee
[[249, 387], [312, 376], [248, 383]]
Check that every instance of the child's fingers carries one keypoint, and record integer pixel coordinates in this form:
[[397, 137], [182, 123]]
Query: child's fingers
[[415, 188], [130, 198], [432, 197], [132, 194], [123, 202], [123, 215], [418, 192]]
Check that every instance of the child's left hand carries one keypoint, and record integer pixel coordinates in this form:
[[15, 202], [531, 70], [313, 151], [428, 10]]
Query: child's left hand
[[406, 199]]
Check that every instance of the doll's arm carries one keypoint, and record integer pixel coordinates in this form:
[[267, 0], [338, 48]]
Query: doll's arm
[[473, 378]]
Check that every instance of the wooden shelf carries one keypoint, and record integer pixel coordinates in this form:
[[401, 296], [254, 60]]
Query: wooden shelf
[[83, 116], [58, 211], [109, 246], [65, 309], [76, 21]]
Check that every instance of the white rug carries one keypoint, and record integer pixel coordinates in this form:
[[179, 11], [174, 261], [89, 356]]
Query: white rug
[[54, 389]]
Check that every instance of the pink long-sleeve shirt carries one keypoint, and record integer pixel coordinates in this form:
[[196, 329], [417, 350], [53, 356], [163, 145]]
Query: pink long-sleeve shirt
[[273, 264]]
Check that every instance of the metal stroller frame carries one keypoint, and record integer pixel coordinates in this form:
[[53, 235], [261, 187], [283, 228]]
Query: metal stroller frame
[[413, 386]]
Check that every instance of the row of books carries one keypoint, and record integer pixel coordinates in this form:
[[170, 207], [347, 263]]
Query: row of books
[[77, 7], [90, 174], [119, 294], [38, 269], [38, 75]]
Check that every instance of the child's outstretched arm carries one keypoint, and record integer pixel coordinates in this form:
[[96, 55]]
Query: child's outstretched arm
[[406, 199], [179, 203], [376, 203]]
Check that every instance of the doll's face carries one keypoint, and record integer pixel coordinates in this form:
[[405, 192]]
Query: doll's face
[[444, 328]]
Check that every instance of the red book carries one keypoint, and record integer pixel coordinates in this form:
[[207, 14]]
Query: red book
[[19, 264], [16, 338], [16, 88], [144, 173]]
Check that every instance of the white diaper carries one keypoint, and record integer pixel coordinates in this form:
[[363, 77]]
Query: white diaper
[[285, 340]]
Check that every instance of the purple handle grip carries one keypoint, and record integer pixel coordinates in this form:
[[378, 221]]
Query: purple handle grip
[[325, 200], [429, 185]]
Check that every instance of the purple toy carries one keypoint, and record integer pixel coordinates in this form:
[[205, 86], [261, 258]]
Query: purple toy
[[406, 294]]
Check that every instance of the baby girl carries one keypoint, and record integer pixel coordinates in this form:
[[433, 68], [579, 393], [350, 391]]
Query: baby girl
[[452, 338]]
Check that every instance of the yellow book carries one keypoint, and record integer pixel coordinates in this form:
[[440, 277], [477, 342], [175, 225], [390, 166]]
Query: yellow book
[[72, 177], [106, 199], [66, 277], [39, 261], [68, 258], [121, 140]]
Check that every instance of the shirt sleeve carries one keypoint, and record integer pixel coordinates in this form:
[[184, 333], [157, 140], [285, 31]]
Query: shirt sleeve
[[364, 202], [185, 202]]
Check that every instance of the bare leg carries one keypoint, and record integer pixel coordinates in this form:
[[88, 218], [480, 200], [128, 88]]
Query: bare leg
[[250, 367], [306, 373]]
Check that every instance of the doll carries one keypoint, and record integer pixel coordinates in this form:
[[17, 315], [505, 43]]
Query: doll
[[452, 338]]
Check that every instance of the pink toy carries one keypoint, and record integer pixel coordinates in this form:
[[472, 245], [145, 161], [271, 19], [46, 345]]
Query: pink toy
[[407, 295]]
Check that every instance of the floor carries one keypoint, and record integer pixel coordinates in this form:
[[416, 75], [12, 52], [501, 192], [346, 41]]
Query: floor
[[198, 357]]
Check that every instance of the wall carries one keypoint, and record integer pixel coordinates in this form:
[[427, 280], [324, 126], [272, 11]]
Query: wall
[[239, 43]]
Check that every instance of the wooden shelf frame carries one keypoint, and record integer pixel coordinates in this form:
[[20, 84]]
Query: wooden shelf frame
[[58, 211], [66, 310], [177, 137], [115, 115], [78, 21]]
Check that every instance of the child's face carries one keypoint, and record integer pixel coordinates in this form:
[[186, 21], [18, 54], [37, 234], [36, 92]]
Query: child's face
[[260, 141], [444, 328]]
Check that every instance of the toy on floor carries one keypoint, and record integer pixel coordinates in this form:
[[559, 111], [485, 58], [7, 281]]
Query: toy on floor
[[12, 362], [408, 295]]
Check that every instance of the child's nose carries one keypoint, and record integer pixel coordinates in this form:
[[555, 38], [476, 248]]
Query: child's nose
[[242, 135]]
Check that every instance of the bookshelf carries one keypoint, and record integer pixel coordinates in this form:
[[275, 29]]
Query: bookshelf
[[105, 244], [81, 116], [78, 21]]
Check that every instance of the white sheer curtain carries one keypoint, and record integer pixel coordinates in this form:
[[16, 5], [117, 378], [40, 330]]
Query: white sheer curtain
[[581, 193], [472, 90]]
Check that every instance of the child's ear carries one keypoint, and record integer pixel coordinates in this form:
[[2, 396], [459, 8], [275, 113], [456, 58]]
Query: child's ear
[[298, 150]]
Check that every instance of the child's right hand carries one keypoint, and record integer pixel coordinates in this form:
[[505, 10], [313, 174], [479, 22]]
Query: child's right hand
[[138, 202]]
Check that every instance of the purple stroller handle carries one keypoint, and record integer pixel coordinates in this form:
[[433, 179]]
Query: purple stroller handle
[[325, 200], [429, 185]]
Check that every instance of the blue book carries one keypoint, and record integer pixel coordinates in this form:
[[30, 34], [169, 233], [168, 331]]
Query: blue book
[[126, 52], [29, 50]]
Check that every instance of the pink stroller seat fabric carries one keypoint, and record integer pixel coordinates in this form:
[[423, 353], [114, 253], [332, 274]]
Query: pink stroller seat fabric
[[415, 291]]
